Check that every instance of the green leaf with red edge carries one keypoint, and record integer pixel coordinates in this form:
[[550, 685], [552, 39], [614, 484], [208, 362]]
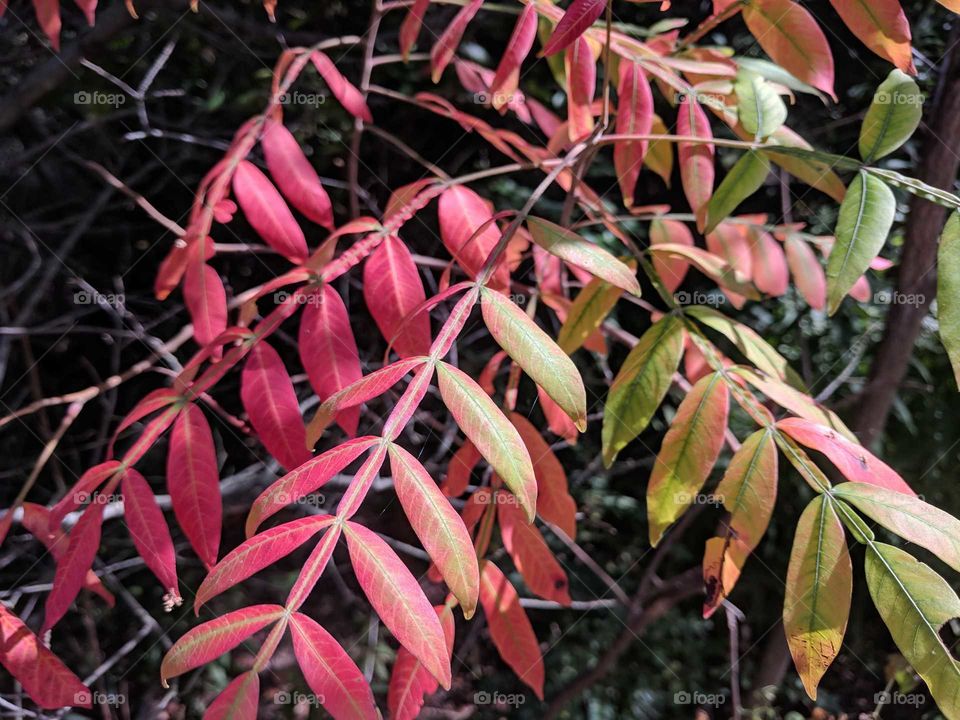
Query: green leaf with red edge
[[48, 682], [790, 35], [271, 402], [640, 386], [536, 353], [818, 588], [446, 45], [267, 212], [696, 159], [328, 350], [907, 516], [238, 701], [307, 478], [410, 681], [491, 433], [574, 23], [149, 531], [392, 289], [440, 529], [72, 566], [530, 554], [689, 452], [854, 461], [330, 672], [748, 492], [258, 552], [510, 628], [882, 26], [213, 638], [398, 599], [554, 503], [571, 248], [634, 117], [194, 483]]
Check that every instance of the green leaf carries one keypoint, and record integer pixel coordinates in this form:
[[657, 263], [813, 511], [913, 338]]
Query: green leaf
[[892, 117], [916, 187], [948, 291], [866, 216], [534, 351], [819, 585], [587, 312], [802, 463], [760, 107], [491, 433], [907, 516], [742, 181], [641, 385], [690, 449], [572, 248], [914, 603]]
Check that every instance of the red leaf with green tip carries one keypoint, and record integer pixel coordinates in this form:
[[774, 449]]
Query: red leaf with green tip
[[410, 28], [398, 599], [194, 483], [270, 401], [330, 672]]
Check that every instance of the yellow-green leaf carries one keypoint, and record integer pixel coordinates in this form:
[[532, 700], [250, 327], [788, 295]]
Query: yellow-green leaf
[[819, 584], [742, 181], [760, 107], [641, 385], [948, 291], [892, 117]]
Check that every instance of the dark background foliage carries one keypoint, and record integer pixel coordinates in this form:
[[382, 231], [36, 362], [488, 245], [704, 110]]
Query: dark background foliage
[[66, 235]]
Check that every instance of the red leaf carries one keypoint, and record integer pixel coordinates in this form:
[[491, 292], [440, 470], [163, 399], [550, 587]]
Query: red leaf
[[215, 637], [271, 403], [238, 701], [554, 503], [312, 569], [329, 352], [307, 478], [206, 301], [149, 530], [581, 85], [882, 26], [393, 289], [48, 18], [72, 568], [462, 213], [410, 682], [672, 270], [348, 95], [294, 174], [557, 420], [504, 85], [267, 213], [462, 463], [442, 52], [88, 7], [151, 433], [410, 28], [510, 627], [256, 553], [770, 273], [330, 672], [440, 529], [790, 35], [398, 599], [151, 403], [634, 117], [81, 492], [696, 160], [194, 483], [855, 462], [47, 681], [807, 272], [534, 560], [575, 21]]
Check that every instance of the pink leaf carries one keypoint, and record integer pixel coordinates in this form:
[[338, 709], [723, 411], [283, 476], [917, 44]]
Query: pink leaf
[[575, 21], [504, 85], [48, 18], [672, 270], [238, 701], [410, 28], [410, 682], [581, 85], [770, 273], [206, 301], [149, 530], [462, 213], [47, 681], [348, 95], [212, 639], [81, 491], [328, 350], [634, 117], [294, 174], [330, 672], [398, 600], [267, 213], [72, 568], [696, 159], [393, 289], [271, 403], [807, 272], [194, 483], [258, 552], [534, 560], [446, 45]]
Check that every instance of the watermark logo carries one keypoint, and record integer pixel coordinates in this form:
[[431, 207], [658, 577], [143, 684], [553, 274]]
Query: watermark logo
[[899, 98], [298, 97], [497, 99], [85, 97], [81, 497], [498, 698], [699, 298], [701, 97], [685, 498], [95, 697], [698, 698], [92, 297], [895, 297], [497, 498], [899, 698], [284, 697]]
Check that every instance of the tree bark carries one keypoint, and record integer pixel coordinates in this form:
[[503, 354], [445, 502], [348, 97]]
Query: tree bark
[[939, 163]]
